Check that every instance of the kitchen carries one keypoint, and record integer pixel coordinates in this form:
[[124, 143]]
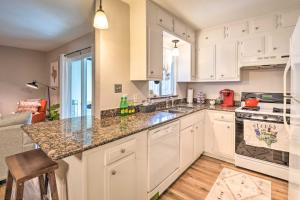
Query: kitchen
[[220, 82]]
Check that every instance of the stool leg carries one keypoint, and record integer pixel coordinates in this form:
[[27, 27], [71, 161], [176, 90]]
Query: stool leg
[[9, 184], [19, 191], [53, 188], [42, 186]]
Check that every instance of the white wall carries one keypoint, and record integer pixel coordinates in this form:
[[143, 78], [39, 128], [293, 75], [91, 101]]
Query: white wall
[[251, 81], [18, 67]]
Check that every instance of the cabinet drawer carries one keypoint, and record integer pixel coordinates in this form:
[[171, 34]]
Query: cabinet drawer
[[120, 151], [222, 116]]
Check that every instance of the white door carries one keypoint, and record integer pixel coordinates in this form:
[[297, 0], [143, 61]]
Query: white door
[[280, 41], [155, 52], [206, 63], [226, 60], [198, 139], [121, 179], [253, 47], [186, 147], [77, 87], [223, 138]]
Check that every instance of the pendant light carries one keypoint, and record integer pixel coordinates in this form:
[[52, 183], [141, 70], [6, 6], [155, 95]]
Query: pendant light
[[100, 19], [175, 51]]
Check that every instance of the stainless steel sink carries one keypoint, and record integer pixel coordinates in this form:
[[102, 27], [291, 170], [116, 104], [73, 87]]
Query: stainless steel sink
[[180, 109]]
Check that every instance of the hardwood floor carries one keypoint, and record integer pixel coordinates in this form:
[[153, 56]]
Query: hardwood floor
[[196, 182]]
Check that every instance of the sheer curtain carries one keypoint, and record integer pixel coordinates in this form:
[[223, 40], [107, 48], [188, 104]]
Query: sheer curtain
[[65, 92]]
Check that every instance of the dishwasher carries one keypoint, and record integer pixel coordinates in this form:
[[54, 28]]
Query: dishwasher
[[163, 153]]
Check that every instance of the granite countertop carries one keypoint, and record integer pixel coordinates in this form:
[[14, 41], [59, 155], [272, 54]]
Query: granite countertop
[[63, 138]]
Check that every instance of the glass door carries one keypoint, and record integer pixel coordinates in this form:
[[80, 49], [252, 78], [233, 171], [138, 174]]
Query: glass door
[[80, 85]]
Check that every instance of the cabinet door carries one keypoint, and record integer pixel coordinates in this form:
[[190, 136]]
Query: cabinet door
[[186, 147], [212, 36], [224, 138], [184, 67], [289, 19], [280, 41], [155, 52], [190, 35], [198, 139], [263, 24], [121, 179], [206, 63], [180, 28], [253, 47], [236, 30], [164, 19], [226, 60]]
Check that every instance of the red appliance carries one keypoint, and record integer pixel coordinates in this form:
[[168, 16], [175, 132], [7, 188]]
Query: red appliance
[[228, 97], [251, 102]]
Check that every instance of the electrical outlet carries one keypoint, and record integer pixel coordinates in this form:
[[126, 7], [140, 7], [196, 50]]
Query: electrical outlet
[[118, 88]]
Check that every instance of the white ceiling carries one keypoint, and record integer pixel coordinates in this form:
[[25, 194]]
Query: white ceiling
[[44, 24], [206, 13]]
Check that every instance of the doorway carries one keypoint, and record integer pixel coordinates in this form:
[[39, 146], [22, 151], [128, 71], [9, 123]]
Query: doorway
[[77, 86]]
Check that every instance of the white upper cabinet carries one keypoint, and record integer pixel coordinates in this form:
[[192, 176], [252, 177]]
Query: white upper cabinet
[[280, 42], [155, 53], [206, 63], [180, 28], [164, 19], [184, 63], [289, 19], [190, 35], [227, 60], [263, 24], [212, 36], [236, 30], [253, 47]]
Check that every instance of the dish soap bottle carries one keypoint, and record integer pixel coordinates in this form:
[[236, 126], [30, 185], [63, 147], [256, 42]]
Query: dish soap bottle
[[125, 106]]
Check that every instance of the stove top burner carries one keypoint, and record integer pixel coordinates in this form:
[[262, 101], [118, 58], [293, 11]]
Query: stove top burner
[[256, 108]]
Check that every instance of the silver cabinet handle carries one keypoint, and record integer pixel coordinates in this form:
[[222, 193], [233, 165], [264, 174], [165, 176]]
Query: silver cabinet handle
[[258, 51], [113, 172], [275, 48], [151, 71], [211, 76], [243, 30], [123, 150], [256, 28], [228, 127], [160, 20]]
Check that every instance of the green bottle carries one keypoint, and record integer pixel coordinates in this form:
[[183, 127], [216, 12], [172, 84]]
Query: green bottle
[[122, 109], [125, 106]]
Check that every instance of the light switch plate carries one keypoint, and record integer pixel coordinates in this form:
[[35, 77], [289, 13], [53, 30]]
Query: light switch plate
[[118, 88]]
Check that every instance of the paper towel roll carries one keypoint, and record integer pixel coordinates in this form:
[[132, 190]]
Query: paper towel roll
[[190, 96]]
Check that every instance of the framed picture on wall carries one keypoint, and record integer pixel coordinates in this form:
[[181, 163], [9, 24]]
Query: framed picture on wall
[[54, 74]]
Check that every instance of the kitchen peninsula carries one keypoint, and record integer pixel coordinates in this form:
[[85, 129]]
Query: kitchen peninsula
[[91, 147]]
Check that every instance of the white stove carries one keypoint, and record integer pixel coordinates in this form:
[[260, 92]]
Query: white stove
[[260, 154]]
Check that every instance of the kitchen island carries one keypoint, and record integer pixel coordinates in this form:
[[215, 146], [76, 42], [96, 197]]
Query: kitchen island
[[87, 148]]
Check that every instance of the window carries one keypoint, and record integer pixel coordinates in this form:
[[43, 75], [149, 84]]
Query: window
[[167, 86]]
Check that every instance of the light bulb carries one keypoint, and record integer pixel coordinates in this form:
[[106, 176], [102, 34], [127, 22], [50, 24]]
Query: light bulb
[[100, 20], [175, 51]]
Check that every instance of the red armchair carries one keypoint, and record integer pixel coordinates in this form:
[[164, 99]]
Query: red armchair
[[40, 116]]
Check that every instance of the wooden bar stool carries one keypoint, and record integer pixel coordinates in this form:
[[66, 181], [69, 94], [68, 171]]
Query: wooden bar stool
[[26, 166]]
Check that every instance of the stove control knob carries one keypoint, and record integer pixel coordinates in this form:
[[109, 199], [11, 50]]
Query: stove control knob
[[265, 117]]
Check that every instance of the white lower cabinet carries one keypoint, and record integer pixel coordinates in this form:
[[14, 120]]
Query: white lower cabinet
[[219, 135], [187, 147], [191, 139], [121, 179]]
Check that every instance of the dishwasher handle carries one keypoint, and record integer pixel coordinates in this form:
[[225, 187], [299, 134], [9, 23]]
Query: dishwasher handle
[[163, 132]]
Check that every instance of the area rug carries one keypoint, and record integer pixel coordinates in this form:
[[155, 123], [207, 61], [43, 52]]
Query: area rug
[[234, 185]]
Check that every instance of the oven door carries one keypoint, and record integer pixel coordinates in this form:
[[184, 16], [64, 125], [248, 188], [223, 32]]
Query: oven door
[[258, 150]]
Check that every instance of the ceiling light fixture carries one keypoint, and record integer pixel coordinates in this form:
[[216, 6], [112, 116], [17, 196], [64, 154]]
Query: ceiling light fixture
[[100, 19], [175, 51]]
